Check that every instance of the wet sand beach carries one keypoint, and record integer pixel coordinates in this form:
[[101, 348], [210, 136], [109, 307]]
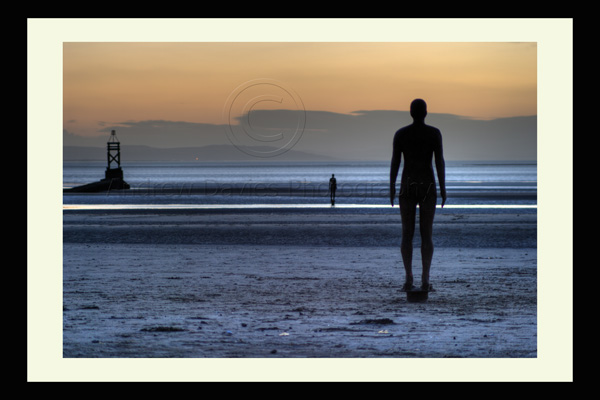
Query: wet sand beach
[[277, 283]]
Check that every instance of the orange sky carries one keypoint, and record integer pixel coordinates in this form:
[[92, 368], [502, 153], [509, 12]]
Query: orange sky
[[108, 83]]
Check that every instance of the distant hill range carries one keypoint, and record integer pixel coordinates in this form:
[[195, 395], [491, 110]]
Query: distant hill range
[[206, 153], [360, 136]]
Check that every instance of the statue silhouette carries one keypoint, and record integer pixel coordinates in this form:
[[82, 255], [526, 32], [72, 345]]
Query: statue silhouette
[[419, 143], [332, 188]]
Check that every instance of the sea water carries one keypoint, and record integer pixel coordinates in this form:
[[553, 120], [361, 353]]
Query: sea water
[[365, 184]]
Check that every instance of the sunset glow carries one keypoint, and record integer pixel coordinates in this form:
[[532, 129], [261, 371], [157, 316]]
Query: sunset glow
[[110, 83]]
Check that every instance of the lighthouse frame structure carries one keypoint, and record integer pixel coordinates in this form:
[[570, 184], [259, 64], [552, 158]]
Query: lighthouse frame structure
[[113, 176], [113, 155]]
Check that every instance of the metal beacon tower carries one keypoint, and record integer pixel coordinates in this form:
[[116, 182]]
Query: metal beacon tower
[[113, 155], [113, 176]]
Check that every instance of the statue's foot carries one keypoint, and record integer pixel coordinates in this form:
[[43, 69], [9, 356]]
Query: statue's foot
[[407, 287], [428, 287]]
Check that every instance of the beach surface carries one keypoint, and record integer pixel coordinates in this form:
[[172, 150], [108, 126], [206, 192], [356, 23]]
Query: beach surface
[[284, 283]]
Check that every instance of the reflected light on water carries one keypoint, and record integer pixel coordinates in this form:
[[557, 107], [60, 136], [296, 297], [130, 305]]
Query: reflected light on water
[[262, 206]]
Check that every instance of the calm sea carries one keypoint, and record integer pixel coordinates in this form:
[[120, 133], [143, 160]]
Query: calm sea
[[359, 183]]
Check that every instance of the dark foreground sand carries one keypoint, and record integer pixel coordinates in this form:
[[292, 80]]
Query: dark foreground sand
[[311, 284]]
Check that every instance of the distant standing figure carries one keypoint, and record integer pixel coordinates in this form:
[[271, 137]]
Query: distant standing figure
[[419, 143], [332, 188]]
